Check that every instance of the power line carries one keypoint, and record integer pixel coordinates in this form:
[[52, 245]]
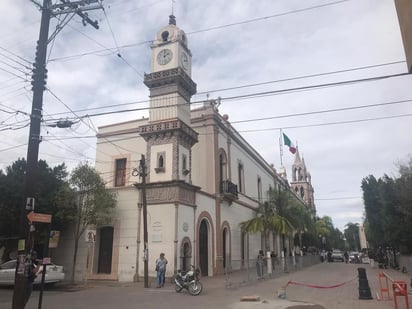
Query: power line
[[14, 74], [261, 130], [286, 90], [205, 30], [245, 86], [15, 55], [14, 147], [302, 77], [82, 120], [327, 123], [323, 111], [15, 61], [117, 46], [259, 94], [269, 17]]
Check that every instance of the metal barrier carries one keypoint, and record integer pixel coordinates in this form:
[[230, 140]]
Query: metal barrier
[[399, 289], [383, 286], [240, 273]]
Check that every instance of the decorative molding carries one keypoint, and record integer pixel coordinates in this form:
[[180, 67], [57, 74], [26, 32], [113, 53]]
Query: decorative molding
[[168, 77], [170, 192], [163, 132]]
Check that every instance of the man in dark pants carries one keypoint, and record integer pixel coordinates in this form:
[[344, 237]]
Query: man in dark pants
[[33, 269]]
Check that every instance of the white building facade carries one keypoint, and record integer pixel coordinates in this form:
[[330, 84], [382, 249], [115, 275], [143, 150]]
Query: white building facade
[[203, 179]]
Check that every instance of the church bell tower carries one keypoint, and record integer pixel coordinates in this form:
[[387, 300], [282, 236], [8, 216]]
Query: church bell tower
[[301, 182]]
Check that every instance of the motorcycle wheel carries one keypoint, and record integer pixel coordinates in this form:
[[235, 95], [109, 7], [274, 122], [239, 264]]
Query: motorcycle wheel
[[178, 289], [195, 288]]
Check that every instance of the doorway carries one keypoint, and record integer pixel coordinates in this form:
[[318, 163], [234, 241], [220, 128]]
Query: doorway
[[105, 250], [204, 247]]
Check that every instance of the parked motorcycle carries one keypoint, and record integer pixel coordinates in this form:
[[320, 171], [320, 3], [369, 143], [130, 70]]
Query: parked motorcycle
[[189, 280]]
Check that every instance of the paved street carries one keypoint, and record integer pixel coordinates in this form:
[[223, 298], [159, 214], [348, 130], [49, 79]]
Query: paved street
[[215, 295]]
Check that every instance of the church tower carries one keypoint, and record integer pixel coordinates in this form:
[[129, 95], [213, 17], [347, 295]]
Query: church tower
[[301, 182], [169, 135]]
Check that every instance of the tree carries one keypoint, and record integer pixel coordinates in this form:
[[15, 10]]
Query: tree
[[351, 233], [267, 218], [48, 182], [373, 209], [388, 211], [87, 202], [300, 217], [329, 236]]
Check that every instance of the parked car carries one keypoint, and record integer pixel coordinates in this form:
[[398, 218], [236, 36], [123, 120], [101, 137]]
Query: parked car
[[337, 255], [54, 273]]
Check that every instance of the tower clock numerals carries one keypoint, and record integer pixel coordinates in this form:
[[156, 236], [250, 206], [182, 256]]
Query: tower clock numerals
[[164, 56], [185, 61]]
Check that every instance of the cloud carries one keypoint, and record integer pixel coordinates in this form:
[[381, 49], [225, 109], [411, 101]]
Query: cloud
[[284, 40]]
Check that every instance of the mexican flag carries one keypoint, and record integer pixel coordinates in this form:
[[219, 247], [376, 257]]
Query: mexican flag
[[289, 143]]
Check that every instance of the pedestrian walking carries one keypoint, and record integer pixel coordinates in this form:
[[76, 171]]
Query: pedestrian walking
[[161, 270]]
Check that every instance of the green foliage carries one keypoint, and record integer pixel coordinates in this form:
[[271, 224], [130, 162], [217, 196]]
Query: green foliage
[[329, 236], [351, 233], [87, 201], [48, 183], [268, 218], [388, 209], [12, 183]]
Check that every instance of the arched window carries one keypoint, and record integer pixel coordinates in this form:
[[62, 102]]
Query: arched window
[[160, 165], [259, 188], [223, 165], [241, 177]]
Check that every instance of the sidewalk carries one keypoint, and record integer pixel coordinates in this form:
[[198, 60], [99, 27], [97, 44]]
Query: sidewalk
[[216, 295], [328, 285]]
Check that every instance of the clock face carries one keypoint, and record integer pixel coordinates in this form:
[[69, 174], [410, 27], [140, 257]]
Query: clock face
[[185, 61], [164, 56]]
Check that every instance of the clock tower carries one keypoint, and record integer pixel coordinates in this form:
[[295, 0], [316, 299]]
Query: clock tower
[[168, 134]]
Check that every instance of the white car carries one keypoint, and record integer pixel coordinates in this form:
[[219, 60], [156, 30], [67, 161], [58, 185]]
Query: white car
[[337, 255], [54, 273]]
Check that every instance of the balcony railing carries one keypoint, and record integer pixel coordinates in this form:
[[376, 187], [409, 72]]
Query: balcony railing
[[228, 190]]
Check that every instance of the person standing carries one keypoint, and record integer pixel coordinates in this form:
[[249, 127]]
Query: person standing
[[346, 256], [259, 264], [33, 270], [161, 270]]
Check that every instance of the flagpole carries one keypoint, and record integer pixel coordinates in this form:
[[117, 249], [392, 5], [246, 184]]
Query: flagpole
[[280, 147]]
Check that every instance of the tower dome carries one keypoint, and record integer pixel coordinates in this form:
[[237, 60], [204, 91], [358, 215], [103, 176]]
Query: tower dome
[[170, 33]]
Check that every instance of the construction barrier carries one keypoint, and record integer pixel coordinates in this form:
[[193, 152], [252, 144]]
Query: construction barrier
[[400, 289], [383, 286]]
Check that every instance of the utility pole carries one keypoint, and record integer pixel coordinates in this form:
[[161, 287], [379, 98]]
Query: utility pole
[[142, 173], [26, 235]]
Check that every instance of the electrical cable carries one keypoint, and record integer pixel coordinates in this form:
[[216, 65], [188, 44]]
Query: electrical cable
[[273, 92], [327, 123], [205, 30], [247, 85]]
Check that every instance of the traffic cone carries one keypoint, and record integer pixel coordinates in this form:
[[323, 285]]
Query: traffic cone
[[364, 289]]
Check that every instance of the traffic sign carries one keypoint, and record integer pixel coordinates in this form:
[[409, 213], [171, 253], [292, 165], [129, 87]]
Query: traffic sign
[[36, 217]]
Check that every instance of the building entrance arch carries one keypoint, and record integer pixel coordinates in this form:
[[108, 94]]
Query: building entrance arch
[[204, 247]]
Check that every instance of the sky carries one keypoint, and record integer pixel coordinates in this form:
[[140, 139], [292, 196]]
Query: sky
[[313, 68]]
